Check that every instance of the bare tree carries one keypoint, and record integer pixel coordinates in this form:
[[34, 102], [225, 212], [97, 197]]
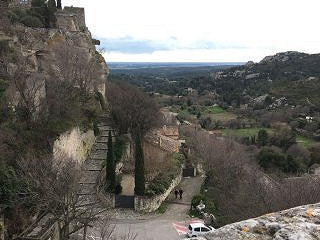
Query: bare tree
[[133, 111], [76, 66], [239, 188], [54, 184], [26, 91]]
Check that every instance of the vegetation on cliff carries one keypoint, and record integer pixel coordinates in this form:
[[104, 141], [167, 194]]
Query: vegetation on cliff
[[41, 14], [39, 100], [134, 112]]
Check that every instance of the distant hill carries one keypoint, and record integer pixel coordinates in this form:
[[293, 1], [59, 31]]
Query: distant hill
[[293, 75], [167, 78], [141, 65]]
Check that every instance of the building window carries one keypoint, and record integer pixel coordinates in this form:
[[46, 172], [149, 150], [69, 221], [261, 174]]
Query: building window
[[24, 1]]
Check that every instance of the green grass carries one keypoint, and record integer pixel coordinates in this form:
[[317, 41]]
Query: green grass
[[214, 110], [223, 117], [244, 132], [304, 141]]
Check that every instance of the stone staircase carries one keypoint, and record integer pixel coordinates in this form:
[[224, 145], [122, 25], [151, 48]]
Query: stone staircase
[[93, 165]]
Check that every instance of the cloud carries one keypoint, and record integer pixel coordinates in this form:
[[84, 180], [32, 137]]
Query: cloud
[[242, 30], [129, 45]]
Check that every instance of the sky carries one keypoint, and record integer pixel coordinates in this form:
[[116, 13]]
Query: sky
[[201, 30]]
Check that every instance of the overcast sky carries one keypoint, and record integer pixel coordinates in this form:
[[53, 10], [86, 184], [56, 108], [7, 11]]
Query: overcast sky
[[201, 30]]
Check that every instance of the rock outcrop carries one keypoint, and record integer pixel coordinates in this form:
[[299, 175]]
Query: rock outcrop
[[38, 47], [74, 144], [283, 57], [299, 223]]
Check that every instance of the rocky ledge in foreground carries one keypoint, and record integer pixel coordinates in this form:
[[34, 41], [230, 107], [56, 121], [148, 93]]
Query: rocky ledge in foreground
[[299, 223]]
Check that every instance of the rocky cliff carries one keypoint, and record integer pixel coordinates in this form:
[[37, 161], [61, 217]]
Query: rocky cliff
[[38, 46], [299, 223]]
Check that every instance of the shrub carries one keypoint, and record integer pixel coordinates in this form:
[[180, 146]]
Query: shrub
[[210, 207], [9, 184], [206, 123], [295, 165], [4, 47], [315, 154], [31, 21], [262, 137], [267, 157], [26, 17], [283, 138], [182, 116], [298, 151], [162, 182]]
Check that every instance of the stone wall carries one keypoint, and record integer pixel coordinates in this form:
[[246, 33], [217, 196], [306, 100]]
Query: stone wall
[[151, 204], [71, 19], [75, 144]]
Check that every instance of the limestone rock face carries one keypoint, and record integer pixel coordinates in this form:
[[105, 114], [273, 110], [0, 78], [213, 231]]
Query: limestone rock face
[[300, 223], [74, 144], [37, 45]]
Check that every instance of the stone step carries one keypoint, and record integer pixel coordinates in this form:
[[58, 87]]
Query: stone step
[[88, 177], [86, 189], [105, 128], [92, 168], [106, 134], [102, 139], [93, 162], [100, 152], [100, 146], [98, 156]]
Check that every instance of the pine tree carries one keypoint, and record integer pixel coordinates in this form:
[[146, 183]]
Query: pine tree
[[59, 4], [262, 137], [52, 8], [139, 167], [110, 167]]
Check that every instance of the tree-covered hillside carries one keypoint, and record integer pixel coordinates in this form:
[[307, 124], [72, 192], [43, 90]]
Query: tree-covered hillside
[[293, 75]]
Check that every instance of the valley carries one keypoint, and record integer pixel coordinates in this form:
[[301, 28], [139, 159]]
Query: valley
[[96, 148]]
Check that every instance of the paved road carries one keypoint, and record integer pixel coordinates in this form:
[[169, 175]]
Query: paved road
[[166, 226]]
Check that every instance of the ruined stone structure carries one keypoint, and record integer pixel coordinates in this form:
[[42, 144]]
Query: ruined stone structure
[[71, 19], [38, 46]]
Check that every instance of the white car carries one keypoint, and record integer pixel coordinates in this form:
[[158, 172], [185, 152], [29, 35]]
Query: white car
[[197, 229]]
